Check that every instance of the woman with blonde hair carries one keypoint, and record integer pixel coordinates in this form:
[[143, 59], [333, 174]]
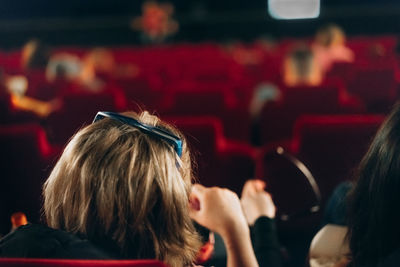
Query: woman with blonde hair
[[122, 189]]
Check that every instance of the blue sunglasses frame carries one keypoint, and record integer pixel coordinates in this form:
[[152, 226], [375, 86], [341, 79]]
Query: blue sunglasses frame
[[155, 131]]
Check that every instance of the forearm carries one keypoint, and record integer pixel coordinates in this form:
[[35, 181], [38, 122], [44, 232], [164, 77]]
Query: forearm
[[239, 248], [29, 104]]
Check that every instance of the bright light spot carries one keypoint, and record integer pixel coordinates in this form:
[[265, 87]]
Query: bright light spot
[[294, 9]]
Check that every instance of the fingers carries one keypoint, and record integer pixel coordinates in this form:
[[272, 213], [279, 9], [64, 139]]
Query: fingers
[[253, 186]]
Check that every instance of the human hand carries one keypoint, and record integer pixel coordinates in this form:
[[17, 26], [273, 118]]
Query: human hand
[[256, 202], [217, 209]]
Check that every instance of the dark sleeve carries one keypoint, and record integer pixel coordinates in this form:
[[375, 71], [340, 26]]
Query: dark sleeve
[[336, 207], [265, 242], [37, 241]]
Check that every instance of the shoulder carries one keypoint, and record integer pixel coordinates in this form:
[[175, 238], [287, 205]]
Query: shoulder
[[39, 241]]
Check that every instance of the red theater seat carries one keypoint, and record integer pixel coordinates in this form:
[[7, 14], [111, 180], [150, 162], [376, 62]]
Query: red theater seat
[[13, 262], [332, 146], [199, 102], [293, 187], [375, 86], [218, 161], [141, 92], [77, 110], [26, 159], [277, 119], [204, 136]]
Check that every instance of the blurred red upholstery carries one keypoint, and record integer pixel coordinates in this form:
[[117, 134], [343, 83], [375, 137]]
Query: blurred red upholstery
[[26, 159], [13, 262], [219, 161], [277, 119], [288, 181], [376, 86], [332, 146], [78, 110]]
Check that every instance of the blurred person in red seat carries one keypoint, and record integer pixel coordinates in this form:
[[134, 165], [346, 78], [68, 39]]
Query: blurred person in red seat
[[123, 189], [330, 46], [299, 69], [98, 74], [45, 79]]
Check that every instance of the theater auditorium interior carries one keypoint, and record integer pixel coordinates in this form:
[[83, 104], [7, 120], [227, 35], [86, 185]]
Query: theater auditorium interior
[[291, 92]]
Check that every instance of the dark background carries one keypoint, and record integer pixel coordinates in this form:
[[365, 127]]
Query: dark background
[[105, 22]]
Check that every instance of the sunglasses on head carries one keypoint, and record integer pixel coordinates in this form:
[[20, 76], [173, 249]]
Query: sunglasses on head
[[155, 131]]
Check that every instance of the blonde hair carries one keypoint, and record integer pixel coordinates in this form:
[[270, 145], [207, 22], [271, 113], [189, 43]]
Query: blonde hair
[[116, 184], [330, 35]]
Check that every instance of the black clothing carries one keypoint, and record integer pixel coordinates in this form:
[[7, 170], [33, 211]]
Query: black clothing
[[265, 242], [38, 241]]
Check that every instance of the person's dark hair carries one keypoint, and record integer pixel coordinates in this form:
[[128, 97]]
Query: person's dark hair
[[36, 55], [374, 220], [302, 58]]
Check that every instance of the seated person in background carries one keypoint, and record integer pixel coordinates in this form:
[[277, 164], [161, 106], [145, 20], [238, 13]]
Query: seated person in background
[[122, 189], [98, 72], [97, 69], [303, 68], [35, 91], [330, 46], [300, 67], [16, 86]]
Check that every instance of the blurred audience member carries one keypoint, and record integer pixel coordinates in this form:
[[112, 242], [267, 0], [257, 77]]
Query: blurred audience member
[[63, 67], [35, 55], [300, 67], [263, 93], [39, 89], [330, 46], [97, 70]]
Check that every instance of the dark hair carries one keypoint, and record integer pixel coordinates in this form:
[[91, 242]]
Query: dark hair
[[302, 57], [39, 56], [374, 222]]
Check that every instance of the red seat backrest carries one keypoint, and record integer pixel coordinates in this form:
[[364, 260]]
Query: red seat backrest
[[332, 146], [375, 86], [25, 162], [277, 119], [14, 262]]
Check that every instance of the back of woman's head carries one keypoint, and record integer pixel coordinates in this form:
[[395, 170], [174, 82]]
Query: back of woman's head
[[374, 220], [330, 35], [301, 68], [116, 185], [35, 55]]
